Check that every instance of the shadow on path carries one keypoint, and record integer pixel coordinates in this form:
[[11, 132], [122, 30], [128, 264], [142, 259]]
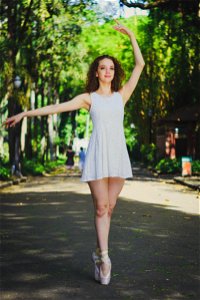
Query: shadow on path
[[47, 240]]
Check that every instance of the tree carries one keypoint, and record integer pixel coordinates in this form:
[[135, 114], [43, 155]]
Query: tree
[[37, 42], [15, 27], [185, 6], [59, 43]]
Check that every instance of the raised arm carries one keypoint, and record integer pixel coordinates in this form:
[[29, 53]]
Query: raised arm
[[130, 85], [80, 101]]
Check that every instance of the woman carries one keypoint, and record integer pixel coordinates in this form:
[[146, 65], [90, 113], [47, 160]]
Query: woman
[[107, 163]]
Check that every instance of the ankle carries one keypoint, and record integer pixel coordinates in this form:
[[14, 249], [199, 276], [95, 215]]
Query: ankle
[[104, 256], [104, 253]]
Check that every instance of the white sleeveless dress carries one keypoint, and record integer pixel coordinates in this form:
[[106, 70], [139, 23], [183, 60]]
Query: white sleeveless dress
[[107, 154]]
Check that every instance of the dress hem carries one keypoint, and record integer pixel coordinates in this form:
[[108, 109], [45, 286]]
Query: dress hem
[[99, 178]]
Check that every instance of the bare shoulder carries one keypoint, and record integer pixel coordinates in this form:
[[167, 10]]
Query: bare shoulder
[[86, 98]]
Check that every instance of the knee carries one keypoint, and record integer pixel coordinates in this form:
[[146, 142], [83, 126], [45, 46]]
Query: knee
[[101, 210]]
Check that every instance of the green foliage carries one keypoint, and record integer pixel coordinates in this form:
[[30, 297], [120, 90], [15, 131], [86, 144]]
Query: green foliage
[[4, 169], [196, 167], [168, 166], [32, 167], [43, 50], [60, 39], [131, 136], [4, 173], [81, 123], [172, 166], [81, 119], [148, 152], [67, 133], [35, 167], [52, 165]]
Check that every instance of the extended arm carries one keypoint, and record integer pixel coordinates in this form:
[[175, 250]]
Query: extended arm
[[130, 85], [80, 101]]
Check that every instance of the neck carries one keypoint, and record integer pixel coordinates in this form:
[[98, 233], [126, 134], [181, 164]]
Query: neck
[[104, 89]]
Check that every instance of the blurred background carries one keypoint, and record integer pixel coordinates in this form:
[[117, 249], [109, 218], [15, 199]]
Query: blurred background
[[46, 47]]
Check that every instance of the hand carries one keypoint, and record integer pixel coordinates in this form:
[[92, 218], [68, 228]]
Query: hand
[[121, 28], [12, 121]]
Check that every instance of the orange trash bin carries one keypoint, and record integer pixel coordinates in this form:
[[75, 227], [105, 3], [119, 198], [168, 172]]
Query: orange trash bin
[[186, 166]]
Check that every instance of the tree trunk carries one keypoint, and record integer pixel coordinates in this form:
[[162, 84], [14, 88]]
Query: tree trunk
[[44, 140], [14, 134], [51, 135], [29, 151]]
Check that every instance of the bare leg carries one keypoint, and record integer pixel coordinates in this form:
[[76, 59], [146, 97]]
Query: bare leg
[[99, 190], [104, 193], [115, 185]]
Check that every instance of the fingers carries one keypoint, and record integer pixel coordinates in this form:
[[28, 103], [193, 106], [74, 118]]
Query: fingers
[[122, 29], [117, 21], [119, 27], [118, 24], [12, 124], [9, 123]]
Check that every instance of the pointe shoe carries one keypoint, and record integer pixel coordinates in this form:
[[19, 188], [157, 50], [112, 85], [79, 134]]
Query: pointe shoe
[[105, 279], [96, 260]]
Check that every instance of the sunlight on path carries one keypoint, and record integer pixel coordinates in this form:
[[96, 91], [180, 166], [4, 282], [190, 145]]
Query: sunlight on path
[[171, 196]]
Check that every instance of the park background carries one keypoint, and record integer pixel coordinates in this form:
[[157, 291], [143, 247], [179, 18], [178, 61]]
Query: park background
[[45, 50]]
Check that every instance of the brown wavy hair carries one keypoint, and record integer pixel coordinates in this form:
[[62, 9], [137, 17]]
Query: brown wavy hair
[[92, 83]]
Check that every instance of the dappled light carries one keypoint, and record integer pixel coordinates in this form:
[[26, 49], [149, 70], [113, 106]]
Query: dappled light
[[137, 111], [47, 243]]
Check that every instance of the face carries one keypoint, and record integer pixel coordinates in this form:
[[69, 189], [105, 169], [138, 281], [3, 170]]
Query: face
[[106, 70]]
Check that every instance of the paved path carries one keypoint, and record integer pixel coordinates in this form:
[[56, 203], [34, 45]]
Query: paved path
[[47, 238]]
